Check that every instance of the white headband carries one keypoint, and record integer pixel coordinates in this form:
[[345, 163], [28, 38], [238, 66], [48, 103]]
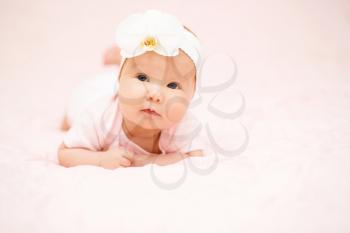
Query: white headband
[[159, 32]]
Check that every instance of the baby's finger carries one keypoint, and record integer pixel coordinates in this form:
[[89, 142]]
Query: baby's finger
[[128, 154], [195, 153], [124, 162]]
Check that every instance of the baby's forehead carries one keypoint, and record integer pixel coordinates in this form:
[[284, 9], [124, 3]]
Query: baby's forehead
[[155, 65]]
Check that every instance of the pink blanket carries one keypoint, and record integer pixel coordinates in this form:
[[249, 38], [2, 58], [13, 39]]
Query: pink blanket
[[293, 72]]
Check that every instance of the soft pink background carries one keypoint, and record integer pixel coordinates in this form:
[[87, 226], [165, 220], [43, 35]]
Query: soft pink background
[[293, 62]]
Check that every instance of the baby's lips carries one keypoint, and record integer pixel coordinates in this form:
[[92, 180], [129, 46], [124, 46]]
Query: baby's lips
[[150, 111]]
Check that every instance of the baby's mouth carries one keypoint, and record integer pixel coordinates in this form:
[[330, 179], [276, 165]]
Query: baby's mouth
[[150, 112]]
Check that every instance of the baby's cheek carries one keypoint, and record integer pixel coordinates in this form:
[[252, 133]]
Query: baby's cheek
[[131, 91], [176, 110]]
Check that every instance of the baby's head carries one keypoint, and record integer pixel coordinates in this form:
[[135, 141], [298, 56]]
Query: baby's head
[[159, 70]]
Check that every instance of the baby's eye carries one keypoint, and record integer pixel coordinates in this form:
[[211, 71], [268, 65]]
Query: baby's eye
[[173, 85], [142, 77]]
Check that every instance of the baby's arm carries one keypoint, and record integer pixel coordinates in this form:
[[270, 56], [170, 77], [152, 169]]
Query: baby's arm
[[110, 159], [162, 160]]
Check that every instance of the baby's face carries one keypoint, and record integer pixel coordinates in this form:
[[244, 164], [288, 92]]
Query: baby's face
[[155, 91]]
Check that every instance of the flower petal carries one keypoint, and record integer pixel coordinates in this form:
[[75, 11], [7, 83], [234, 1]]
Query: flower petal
[[166, 28]]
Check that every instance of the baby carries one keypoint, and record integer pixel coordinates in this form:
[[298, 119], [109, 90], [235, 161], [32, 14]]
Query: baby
[[146, 120]]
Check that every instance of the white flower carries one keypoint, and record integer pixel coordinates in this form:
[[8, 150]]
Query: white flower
[[151, 31]]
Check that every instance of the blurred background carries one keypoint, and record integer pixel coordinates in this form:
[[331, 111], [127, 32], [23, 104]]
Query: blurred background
[[293, 60], [47, 47]]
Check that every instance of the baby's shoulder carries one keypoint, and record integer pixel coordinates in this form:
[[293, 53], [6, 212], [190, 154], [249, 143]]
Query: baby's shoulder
[[186, 135], [188, 128], [101, 112], [100, 106]]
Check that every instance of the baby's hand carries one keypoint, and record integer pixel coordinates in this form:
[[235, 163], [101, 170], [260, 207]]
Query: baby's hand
[[115, 158], [163, 159]]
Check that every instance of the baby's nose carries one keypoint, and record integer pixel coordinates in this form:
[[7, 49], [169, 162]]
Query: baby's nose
[[154, 94]]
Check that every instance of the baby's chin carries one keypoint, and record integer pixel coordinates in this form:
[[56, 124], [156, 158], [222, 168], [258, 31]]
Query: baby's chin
[[154, 123]]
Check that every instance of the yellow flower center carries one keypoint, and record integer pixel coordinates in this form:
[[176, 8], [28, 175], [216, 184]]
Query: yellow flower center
[[149, 43]]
